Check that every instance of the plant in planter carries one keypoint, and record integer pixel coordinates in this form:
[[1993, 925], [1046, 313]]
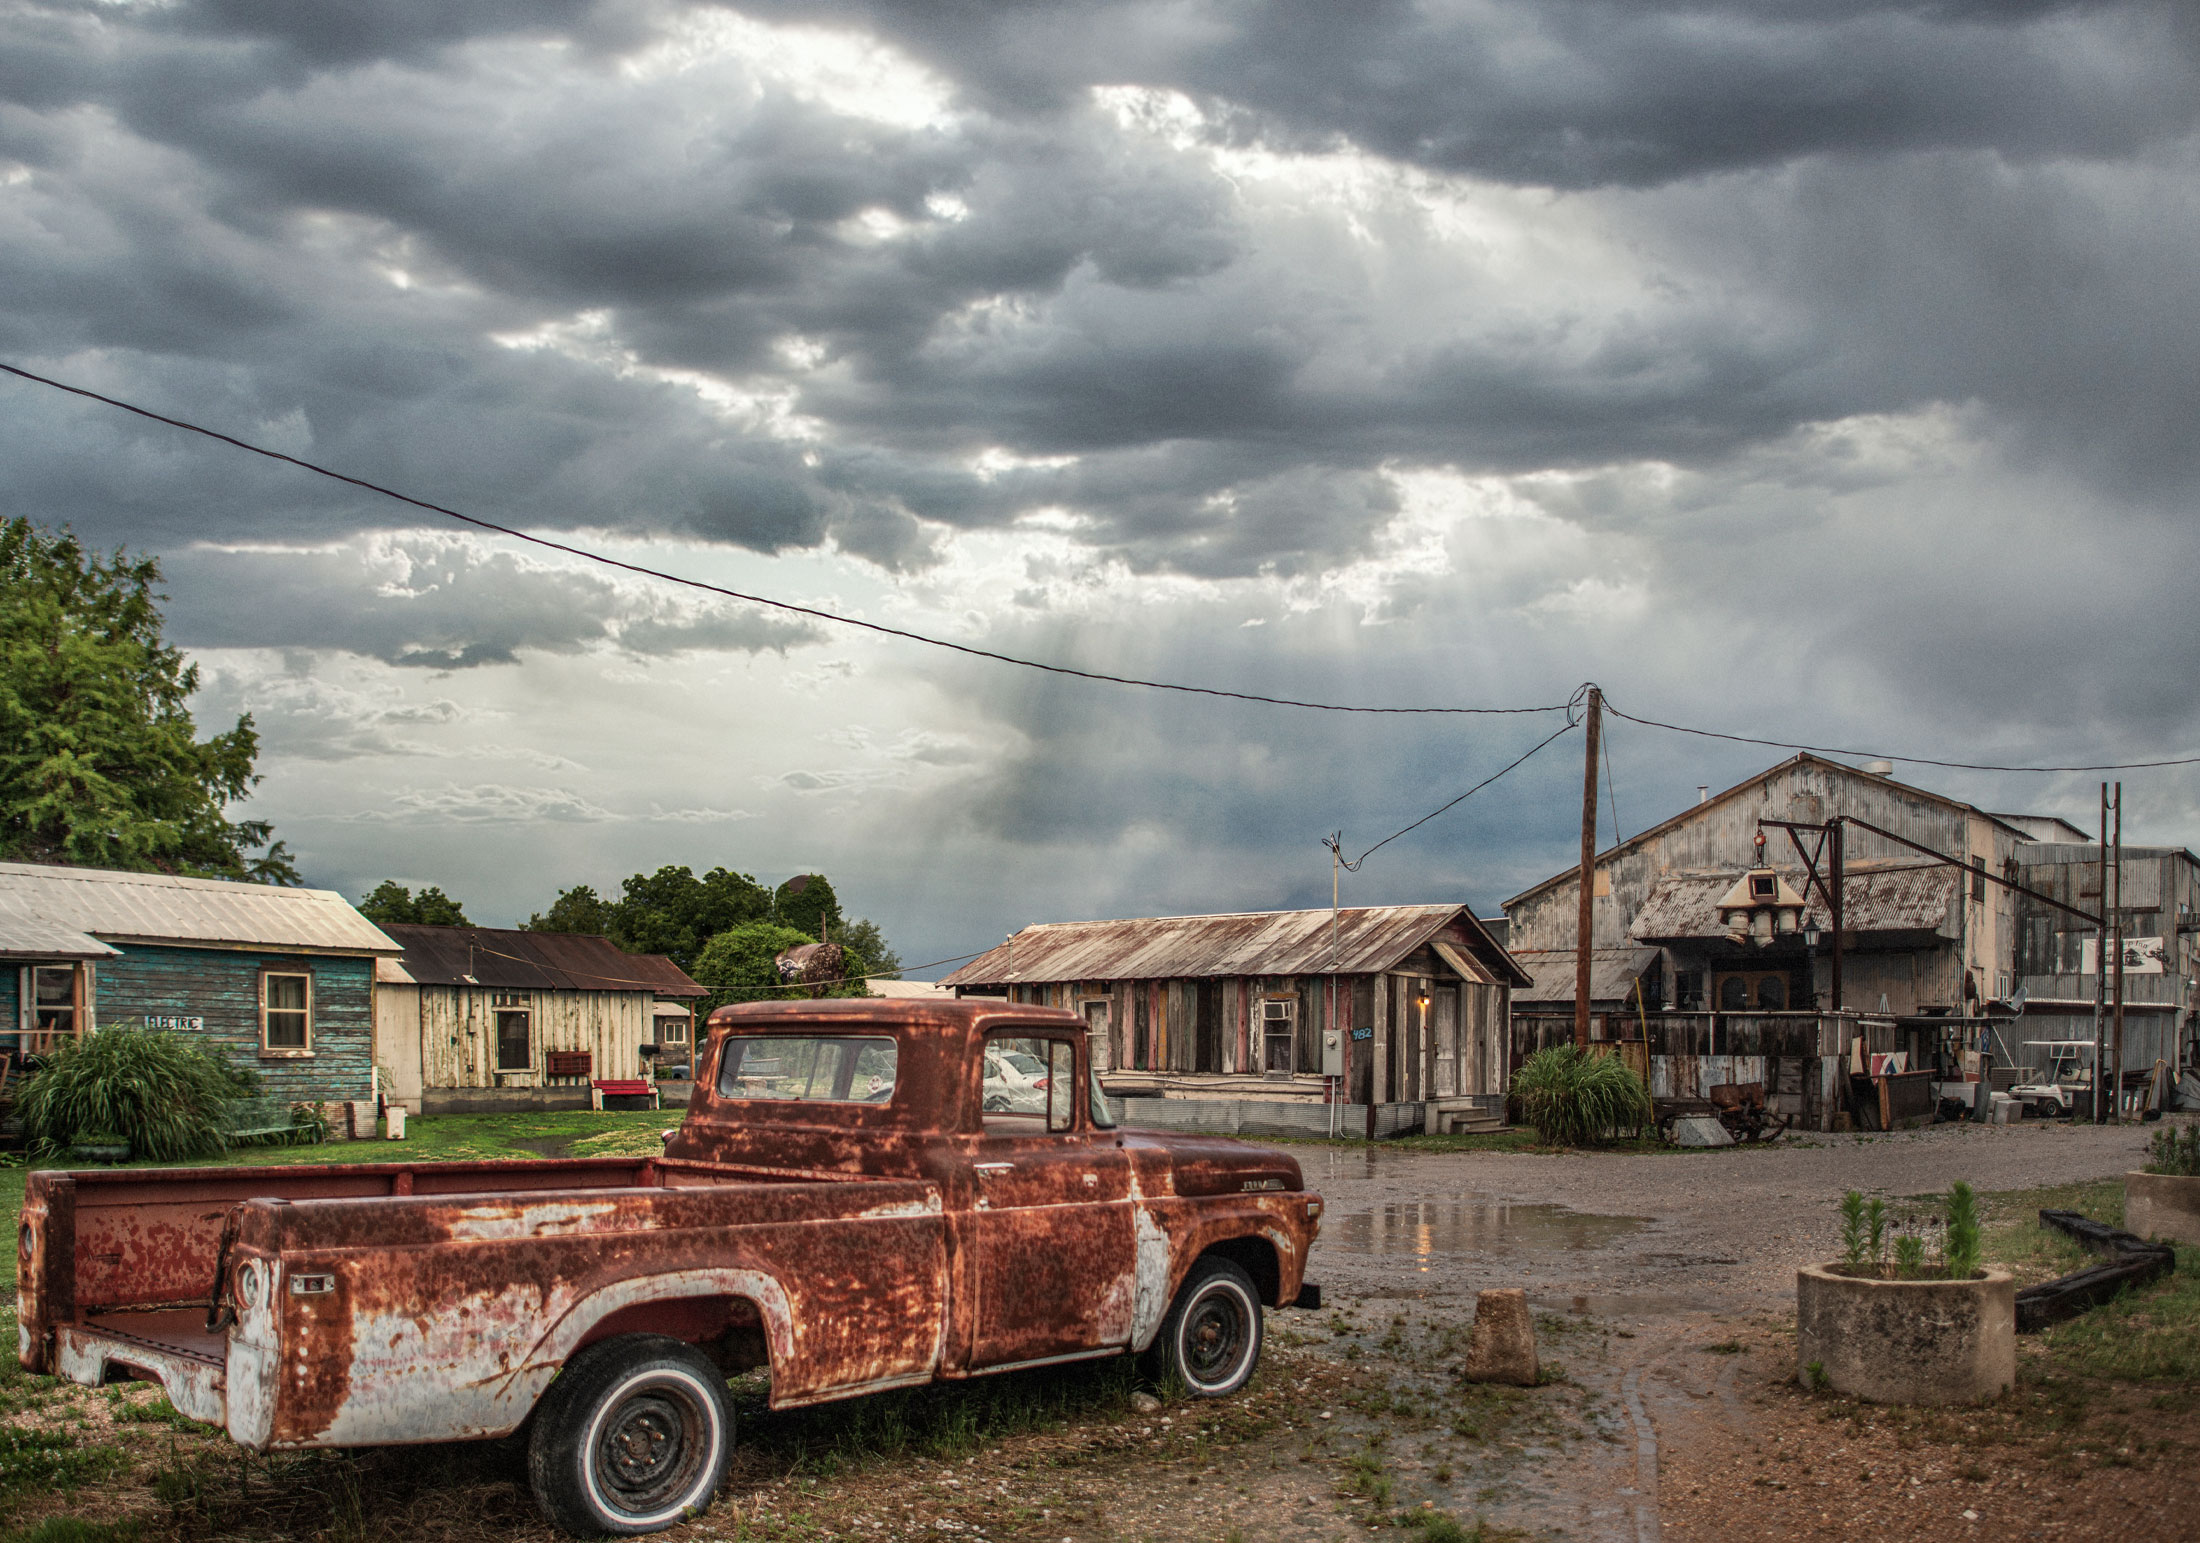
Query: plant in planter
[[2162, 1200], [1928, 1327]]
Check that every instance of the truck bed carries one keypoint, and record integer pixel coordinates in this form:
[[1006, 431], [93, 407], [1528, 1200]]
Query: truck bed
[[468, 1282]]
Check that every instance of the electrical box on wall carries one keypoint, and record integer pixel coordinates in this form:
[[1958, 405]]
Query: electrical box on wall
[[1332, 1053]]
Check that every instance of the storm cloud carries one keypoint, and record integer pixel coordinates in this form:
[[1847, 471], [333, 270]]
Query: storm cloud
[[1823, 370]]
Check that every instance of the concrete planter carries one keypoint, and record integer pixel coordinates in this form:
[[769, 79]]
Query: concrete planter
[[1907, 1341], [2165, 1206]]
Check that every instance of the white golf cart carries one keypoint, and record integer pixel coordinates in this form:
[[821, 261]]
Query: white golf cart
[[2065, 1086]]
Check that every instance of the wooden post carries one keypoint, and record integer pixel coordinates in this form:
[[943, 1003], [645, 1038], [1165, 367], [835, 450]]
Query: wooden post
[[2100, 967], [1585, 933], [1834, 906]]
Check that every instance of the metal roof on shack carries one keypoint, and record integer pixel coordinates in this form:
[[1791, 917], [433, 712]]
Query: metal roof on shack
[[1904, 898], [508, 959], [57, 904], [1368, 938], [1612, 973]]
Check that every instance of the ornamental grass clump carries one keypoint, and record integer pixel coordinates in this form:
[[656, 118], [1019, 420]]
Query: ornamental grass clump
[[1576, 1099], [168, 1096]]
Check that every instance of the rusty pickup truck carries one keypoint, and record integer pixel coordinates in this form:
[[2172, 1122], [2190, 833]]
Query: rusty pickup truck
[[864, 1195]]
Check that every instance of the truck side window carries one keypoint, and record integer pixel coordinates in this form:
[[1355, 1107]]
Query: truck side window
[[1029, 1083], [809, 1068]]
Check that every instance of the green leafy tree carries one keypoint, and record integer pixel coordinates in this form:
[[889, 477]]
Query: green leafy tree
[[393, 902], [736, 965], [807, 903], [669, 912], [100, 763], [579, 909], [863, 937]]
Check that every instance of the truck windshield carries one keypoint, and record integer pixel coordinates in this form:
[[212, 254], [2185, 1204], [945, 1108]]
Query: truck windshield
[[813, 1068]]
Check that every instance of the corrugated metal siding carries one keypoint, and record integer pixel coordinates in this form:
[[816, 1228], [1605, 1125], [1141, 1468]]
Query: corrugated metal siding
[[223, 987], [156, 907], [458, 1039]]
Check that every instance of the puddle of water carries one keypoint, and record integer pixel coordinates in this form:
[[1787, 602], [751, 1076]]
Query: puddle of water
[[1424, 1230]]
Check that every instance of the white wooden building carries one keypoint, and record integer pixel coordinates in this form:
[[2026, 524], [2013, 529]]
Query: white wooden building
[[482, 1018]]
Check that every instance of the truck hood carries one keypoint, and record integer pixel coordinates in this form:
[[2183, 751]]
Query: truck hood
[[1172, 1162]]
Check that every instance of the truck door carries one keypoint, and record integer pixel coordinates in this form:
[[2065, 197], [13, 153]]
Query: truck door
[[1052, 1223]]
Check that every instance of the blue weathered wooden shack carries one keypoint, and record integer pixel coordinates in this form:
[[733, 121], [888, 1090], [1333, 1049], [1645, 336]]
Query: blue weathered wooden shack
[[282, 979]]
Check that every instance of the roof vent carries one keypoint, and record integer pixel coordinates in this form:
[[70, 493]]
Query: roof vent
[[1703, 792], [1878, 768]]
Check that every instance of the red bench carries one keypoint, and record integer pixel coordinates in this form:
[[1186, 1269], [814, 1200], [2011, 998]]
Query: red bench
[[622, 1087]]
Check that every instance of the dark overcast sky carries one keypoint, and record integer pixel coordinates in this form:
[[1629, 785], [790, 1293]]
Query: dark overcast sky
[[1823, 369]]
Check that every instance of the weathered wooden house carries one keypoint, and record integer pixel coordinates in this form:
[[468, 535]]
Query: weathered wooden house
[[1372, 1005], [282, 979], [472, 1019]]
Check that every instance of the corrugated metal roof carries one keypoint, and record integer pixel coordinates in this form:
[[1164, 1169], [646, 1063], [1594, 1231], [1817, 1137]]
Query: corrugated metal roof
[[1247, 943], [33, 937], [159, 908], [1896, 899], [1612, 973], [507, 959]]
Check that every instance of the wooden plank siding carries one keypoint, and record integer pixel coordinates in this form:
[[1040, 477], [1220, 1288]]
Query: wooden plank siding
[[222, 986], [458, 1033]]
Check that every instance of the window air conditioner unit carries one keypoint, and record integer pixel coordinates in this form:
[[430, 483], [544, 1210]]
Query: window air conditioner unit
[[1277, 1012]]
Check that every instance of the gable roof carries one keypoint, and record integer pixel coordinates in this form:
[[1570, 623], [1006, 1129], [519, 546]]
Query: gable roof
[[508, 959], [1694, 811], [1368, 938], [41, 900]]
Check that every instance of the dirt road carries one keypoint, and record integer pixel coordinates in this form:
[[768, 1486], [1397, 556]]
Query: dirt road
[[1669, 1276]]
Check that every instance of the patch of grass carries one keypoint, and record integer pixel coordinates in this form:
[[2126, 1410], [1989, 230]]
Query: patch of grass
[[2148, 1335], [45, 1460], [157, 1411], [70, 1529], [943, 1420]]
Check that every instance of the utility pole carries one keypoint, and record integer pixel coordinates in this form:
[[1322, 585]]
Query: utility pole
[[2116, 1052], [1584, 933], [2100, 964]]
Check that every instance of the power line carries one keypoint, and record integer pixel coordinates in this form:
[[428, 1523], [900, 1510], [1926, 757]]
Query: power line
[[1884, 755], [1353, 866], [762, 600], [1035, 664]]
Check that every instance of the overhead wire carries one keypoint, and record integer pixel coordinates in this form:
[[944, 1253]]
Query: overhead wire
[[765, 600], [1020, 662], [1352, 865], [1888, 755]]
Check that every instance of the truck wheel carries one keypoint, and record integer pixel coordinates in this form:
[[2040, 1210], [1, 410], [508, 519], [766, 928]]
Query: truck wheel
[[635, 1433], [1211, 1339]]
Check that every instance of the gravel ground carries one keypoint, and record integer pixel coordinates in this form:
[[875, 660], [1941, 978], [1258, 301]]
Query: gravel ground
[[1655, 1231], [1665, 1285]]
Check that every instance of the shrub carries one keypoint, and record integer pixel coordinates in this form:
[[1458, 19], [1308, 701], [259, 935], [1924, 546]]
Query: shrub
[[2175, 1152], [167, 1095], [1575, 1099]]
